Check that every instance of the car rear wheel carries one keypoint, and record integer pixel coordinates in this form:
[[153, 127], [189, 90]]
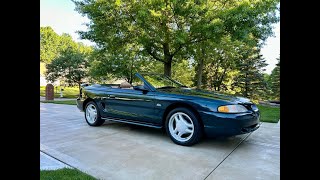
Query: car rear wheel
[[92, 114], [183, 127]]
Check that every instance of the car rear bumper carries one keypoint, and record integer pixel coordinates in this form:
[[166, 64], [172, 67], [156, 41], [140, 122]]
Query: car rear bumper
[[222, 124]]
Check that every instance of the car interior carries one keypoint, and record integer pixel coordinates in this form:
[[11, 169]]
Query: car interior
[[125, 85]]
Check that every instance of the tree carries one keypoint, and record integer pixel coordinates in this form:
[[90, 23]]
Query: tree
[[275, 80], [268, 91], [217, 63], [66, 42], [71, 66], [246, 21], [51, 44], [183, 72], [165, 29], [250, 77], [119, 63], [200, 57]]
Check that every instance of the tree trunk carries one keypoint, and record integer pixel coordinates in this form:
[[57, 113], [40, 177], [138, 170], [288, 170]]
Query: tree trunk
[[131, 78], [167, 68], [199, 74], [211, 78], [216, 75], [246, 86], [200, 68], [131, 73], [167, 59], [221, 78], [79, 86]]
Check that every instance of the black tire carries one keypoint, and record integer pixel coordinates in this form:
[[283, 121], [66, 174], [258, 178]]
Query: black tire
[[197, 126], [98, 121]]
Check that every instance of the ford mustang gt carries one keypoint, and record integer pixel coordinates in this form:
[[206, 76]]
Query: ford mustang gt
[[157, 101]]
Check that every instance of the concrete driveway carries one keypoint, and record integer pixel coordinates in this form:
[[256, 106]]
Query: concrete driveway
[[122, 151]]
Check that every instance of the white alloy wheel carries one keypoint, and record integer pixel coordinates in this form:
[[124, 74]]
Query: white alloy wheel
[[91, 113], [181, 127]]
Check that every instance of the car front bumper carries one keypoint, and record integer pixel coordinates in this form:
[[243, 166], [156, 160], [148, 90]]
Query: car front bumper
[[80, 104], [223, 124]]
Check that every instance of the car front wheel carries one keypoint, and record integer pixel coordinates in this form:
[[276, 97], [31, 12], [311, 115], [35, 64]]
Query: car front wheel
[[92, 115], [183, 127]]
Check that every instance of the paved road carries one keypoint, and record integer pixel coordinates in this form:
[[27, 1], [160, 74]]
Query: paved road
[[122, 151]]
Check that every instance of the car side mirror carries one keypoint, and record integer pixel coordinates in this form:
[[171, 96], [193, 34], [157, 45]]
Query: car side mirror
[[141, 88]]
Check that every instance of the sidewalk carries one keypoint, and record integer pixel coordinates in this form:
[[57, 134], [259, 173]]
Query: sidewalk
[[57, 99], [49, 163]]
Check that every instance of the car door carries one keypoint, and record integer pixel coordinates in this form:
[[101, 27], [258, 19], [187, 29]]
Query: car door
[[131, 104]]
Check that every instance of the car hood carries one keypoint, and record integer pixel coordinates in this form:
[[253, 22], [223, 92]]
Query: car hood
[[206, 94]]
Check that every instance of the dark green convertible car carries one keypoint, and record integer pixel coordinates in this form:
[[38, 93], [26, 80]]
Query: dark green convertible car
[[157, 101]]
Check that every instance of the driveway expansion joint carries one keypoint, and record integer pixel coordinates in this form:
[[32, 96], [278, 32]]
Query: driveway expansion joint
[[228, 155]]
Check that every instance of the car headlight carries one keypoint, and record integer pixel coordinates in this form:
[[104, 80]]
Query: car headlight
[[232, 109]]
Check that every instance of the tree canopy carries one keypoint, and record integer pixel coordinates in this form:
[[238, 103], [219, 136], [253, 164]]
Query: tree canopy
[[275, 80], [164, 29], [71, 66], [106, 64], [208, 44], [250, 77], [51, 44]]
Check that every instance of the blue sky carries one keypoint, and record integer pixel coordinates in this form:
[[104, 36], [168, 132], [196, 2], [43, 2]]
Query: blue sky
[[60, 15]]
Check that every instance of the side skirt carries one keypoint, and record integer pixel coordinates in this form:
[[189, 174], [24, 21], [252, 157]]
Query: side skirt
[[132, 122]]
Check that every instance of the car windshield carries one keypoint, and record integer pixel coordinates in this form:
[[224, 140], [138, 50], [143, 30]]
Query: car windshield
[[160, 81]]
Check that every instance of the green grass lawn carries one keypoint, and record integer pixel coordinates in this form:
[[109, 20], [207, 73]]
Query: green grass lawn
[[69, 92], [269, 114], [68, 102], [64, 174]]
